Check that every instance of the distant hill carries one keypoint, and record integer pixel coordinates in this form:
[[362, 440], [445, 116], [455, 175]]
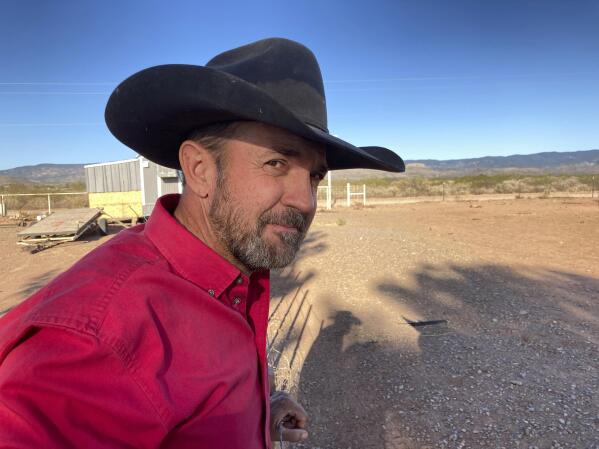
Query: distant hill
[[46, 173], [5, 180], [571, 162], [549, 161]]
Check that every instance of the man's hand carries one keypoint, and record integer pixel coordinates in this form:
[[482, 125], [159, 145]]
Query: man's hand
[[286, 411]]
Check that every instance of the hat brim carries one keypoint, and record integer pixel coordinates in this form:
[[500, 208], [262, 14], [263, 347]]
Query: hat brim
[[154, 110]]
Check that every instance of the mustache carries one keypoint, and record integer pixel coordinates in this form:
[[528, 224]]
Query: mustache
[[289, 217]]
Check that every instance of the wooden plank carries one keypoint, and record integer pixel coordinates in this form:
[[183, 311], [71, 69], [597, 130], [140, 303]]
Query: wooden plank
[[62, 223]]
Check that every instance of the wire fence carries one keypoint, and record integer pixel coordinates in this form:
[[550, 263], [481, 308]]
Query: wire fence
[[25, 204], [424, 189], [350, 194]]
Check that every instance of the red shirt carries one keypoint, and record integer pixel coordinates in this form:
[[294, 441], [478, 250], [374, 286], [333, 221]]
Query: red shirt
[[150, 341]]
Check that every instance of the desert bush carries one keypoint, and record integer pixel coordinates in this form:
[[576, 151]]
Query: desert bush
[[483, 182], [42, 188], [569, 184], [23, 205], [377, 182], [589, 181], [509, 186], [516, 184]]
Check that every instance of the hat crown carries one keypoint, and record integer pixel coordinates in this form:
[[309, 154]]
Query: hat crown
[[285, 70], [274, 81]]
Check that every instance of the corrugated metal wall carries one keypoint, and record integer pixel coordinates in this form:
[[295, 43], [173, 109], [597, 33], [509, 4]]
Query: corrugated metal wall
[[150, 192], [125, 176], [170, 185], [120, 177], [158, 181]]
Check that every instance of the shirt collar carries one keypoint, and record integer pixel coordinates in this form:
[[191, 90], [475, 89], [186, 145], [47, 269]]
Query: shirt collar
[[190, 257]]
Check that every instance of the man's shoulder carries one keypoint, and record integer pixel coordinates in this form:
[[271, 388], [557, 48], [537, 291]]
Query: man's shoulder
[[78, 299], [110, 262]]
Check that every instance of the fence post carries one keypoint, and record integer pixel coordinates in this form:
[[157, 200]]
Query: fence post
[[2, 207], [364, 193], [49, 206], [593, 187], [443, 191], [348, 195], [329, 190]]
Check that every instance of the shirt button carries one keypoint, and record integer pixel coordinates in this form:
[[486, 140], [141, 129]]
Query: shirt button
[[239, 280], [236, 300], [211, 292]]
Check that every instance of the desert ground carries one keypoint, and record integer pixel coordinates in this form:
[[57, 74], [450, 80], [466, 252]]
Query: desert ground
[[514, 365]]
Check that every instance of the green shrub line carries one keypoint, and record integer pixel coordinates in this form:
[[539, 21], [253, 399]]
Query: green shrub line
[[469, 185], [376, 187], [43, 188], [26, 204]]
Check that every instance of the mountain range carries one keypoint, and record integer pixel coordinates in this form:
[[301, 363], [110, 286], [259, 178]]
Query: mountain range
[[554, 162], [570, 162], [575, 161], [43, 174]]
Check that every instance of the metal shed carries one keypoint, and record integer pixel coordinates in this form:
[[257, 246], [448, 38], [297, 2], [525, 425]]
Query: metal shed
[[129, 188]]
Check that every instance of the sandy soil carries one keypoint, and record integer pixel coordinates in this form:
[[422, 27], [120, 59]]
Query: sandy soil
[[515, 366]]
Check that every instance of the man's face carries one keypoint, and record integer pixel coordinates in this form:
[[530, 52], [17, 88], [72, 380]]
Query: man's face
[[265, 198]]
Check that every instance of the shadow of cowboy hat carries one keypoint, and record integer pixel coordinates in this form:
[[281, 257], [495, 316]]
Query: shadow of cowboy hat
[[274, 81]]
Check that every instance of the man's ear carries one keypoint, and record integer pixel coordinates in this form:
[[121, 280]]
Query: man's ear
[[199, 168]]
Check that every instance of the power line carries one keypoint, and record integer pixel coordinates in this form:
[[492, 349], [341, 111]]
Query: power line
[[56, 84], [9, 125], [51, 93], [333, 81], [462, 78]]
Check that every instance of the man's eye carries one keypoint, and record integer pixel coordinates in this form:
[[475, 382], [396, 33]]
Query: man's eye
[[275, 163]]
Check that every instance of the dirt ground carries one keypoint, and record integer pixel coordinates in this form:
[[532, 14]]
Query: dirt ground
[[515, 365], [23, 273]]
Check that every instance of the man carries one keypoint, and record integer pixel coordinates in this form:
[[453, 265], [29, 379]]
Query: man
[[157, 339]]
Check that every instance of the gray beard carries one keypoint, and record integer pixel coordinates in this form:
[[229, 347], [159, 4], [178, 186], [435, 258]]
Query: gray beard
[[245, 242]]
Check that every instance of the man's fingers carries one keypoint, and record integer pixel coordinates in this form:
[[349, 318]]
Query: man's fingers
[[295, 416], [294, 435], [283, 408], [300, 419], [288, 419]]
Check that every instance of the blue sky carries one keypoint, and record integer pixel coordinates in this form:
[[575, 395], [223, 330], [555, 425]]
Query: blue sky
[[428, 79]]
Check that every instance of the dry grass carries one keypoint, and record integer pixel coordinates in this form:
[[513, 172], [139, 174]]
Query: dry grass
[[36, 200], [466, 185], [18, 206]]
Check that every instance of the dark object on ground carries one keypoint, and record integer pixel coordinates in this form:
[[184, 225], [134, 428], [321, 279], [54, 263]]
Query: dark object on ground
[[426, 323]]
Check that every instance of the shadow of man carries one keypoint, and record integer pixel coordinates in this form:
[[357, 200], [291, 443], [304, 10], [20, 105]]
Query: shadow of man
[[339, 388], [517, 362]]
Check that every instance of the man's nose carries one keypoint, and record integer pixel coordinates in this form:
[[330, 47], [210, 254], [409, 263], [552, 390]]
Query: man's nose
[[300, 193]]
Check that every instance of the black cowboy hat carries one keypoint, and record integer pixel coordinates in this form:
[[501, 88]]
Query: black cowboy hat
[[274, 81]]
